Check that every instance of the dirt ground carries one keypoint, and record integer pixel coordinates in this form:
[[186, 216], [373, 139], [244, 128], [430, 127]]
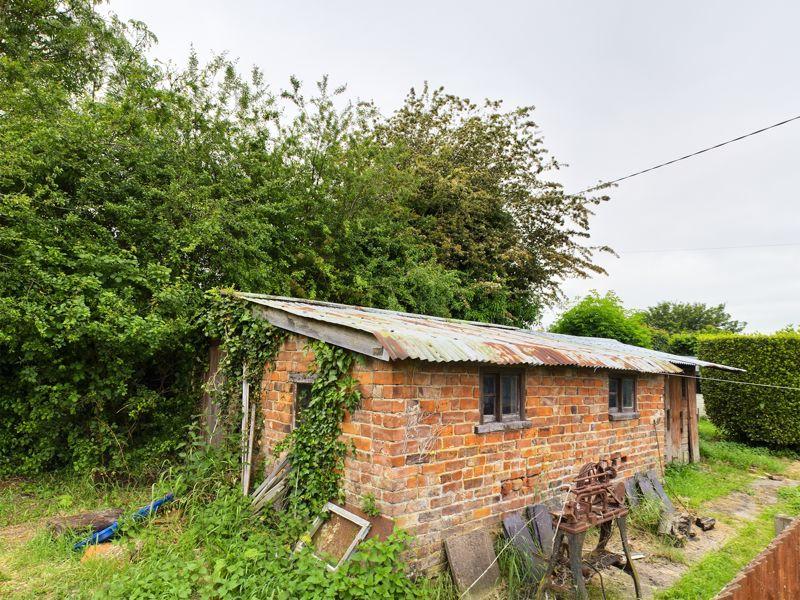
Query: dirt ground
[[658, 573]]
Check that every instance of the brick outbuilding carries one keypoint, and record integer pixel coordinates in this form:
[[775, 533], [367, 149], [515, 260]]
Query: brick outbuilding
[[461, 422]]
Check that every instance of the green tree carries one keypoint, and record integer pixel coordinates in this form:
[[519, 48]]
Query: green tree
[[128, 190], [682, 317], [604, 317], [481, 197]]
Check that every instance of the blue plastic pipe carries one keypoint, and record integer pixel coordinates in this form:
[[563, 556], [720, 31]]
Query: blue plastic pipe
[[109, 532]]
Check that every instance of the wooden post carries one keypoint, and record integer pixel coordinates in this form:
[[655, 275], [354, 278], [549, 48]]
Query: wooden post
[[213, 382], [250, 440], [781, 523], [244, 432]]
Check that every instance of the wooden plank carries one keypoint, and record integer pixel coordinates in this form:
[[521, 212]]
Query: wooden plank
[[646, 487], [213, 380], [270, 494], [659, 489], [517, 531], [691, 421], [539, 516], [338, 335], [244, 430], [250, 440], [675, 410], [269, 480], [668, 451], [631, 493], [279, 473]]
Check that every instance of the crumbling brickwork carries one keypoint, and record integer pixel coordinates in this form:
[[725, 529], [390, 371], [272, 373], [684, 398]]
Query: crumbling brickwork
[[417, 451]]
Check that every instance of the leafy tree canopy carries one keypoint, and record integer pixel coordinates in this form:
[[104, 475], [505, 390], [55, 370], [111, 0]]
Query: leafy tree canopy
[[128, 190], [604, 317], [681, 317]]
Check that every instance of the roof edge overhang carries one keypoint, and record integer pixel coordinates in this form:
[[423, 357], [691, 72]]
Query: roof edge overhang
[[373, 346], [338, 335], [376, 345]]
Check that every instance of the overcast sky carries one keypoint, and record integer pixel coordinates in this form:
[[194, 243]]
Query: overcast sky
[[618, 86]]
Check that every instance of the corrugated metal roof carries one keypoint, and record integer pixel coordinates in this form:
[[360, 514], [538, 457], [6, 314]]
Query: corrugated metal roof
[[411, 336], [611, 345]]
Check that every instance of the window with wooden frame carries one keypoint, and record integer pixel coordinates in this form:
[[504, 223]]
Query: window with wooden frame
[[622, 396], [302, 398], [502, 395]]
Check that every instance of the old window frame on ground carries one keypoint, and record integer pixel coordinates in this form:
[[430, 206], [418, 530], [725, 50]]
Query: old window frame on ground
[[497, 420], [363, 524], [616, 385]]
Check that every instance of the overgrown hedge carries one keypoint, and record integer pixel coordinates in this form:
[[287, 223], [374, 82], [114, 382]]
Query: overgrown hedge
[[755, 414]]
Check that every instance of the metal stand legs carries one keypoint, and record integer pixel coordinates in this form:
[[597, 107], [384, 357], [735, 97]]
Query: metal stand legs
[[622, 523], [575, 545]]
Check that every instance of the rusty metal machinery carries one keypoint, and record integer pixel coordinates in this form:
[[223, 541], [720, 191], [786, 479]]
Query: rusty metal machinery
[[595, 497]]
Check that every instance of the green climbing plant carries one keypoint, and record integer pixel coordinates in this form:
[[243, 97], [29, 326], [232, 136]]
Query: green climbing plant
[[315, 449], [247, 344]]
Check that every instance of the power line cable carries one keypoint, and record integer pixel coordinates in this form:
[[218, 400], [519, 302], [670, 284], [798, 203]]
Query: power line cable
[[765, 385], [675, 160], [708, 248]]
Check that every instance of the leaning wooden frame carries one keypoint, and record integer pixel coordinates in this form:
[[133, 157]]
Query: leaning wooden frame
[[273, 486], [362, 523]]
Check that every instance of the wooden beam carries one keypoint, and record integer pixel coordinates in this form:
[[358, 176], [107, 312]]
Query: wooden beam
[[338, 335], [244, 432]]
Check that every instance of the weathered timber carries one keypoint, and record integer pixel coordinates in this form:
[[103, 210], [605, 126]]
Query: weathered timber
[[630, 492], [659, 489], [338, 335], [95, 520], [705, 523], [643, 481], [472, 563], [539, 516], [517, 531]]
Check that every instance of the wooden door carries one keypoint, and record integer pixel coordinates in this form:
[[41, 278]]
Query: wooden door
[[668, 451], [692, 432], [674, 418]]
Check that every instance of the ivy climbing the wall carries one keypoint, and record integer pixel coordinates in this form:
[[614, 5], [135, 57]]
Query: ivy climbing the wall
[[315, 450], [245, 340], [317, 454]]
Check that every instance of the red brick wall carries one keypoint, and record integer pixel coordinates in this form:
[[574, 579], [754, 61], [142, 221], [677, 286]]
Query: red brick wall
[[417, 452]]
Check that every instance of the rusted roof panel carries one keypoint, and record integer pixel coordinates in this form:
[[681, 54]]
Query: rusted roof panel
[[412, 336]]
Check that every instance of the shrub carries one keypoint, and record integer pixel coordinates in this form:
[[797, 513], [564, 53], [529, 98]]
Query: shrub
[[752, 413], [604, 317]]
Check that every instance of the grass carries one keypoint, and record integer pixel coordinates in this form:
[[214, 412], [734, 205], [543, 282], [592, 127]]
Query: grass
[[709, 575], [714, 447], [726, 467], [46, 566], [708, 431], [696, 484], [23, 500]]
